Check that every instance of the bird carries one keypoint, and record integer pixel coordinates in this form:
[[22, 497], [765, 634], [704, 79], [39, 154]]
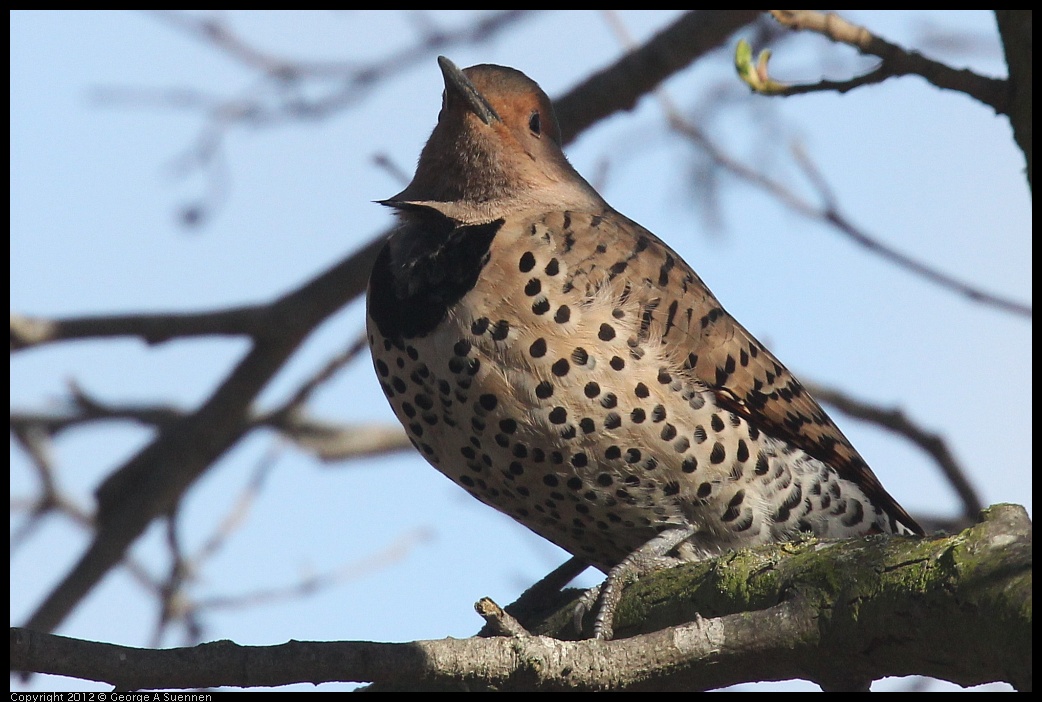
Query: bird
[[566, 367]]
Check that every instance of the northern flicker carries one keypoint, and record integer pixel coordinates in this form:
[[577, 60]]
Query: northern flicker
[[563, 365]]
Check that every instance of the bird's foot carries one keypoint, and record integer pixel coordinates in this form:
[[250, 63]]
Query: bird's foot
[[604, 598]]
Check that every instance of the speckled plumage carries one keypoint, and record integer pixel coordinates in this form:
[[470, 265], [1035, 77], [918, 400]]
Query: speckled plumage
[[565, 366]]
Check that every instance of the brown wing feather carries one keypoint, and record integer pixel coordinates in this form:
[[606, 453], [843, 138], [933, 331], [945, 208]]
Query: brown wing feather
[[679, 309]]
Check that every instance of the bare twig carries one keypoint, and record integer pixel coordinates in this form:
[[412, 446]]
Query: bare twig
[[876, 75], [304, 392], [896, 61], [392, 169], [829, 213], [240, 509], [349, 81], [286, 90], [171, 591], [213, 31], [497, 620], [549, 584], [36, 442], [381, 560], [36, 439], [177, 605], [329, 441], [84, 410], [254, 321], [338, 442]]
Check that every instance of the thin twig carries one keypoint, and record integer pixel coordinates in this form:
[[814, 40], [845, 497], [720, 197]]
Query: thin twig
[[36, 442], [216, 33], [328, 441], [308, 387], [28, 332], [896, 61], [498, 622], [334, 443], [381, 560], [240, 508], [550, 583], [829, 213], [171, 590], [284, 91], [872, 77]]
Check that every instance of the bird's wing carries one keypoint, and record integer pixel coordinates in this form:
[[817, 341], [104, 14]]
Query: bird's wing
[[676, 307]]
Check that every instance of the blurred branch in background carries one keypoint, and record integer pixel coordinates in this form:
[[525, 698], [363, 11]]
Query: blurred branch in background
[[896, 421], [286, 90]]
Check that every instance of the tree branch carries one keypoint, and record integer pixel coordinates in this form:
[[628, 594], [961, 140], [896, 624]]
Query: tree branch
[[253, 321], [896, 61], [784, 611], [619, 86], [152, 482], [328, 441], [285, 89], [829, 213], [1015, 30]]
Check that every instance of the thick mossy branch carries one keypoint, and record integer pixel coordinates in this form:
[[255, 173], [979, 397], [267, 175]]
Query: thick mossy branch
[[839, 613], [882, 601]]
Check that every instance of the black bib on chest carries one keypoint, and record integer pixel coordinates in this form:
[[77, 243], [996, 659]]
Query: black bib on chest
[[408, 298]]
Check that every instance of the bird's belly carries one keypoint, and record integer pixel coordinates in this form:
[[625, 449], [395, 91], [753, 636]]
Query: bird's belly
[[553, 404], [544, 452], [596, 451]]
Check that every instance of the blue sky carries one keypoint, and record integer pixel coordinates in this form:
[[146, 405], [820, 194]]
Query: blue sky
[[95, 195]]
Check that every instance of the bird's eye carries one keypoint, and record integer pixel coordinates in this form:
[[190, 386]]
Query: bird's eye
[[533, 123]]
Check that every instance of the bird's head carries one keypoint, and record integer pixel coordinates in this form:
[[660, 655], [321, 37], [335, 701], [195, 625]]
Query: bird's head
[[496, 149]]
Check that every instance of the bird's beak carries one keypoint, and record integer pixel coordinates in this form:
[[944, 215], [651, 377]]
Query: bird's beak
[[459, 85]]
